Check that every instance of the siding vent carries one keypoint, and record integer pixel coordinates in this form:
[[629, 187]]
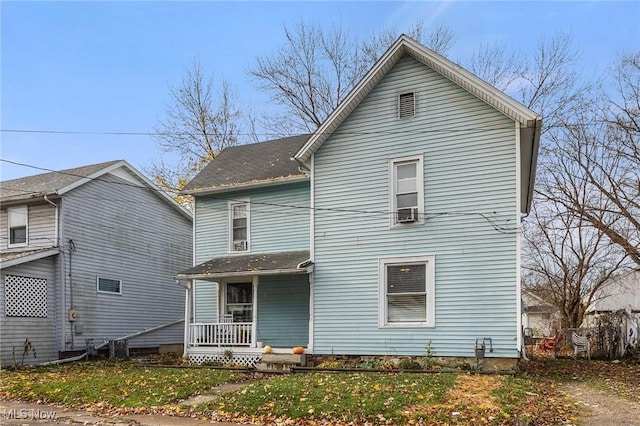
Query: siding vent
[[406, 105], [25, 297]]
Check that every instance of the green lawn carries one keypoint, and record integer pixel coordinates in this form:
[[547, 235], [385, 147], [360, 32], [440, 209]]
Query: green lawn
[[108, 384], [116, 388]]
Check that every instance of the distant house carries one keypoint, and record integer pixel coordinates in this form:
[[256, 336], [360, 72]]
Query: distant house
[[88, 255], [619, 295], [540, 316], [394, 226]]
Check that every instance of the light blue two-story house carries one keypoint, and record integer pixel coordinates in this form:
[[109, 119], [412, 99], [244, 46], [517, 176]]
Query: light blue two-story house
[[396, 225]]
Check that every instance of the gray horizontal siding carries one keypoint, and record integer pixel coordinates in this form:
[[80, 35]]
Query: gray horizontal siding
[[469, 189], [41, 332], [283, 310], [40, 226], [121, 231], [279, 220]]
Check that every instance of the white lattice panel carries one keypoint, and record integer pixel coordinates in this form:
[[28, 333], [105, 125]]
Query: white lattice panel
[[25, 296], [241, 359]]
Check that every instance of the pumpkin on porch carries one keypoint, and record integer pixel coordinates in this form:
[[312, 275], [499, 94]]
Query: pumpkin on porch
[[267, 349], [298, 350]]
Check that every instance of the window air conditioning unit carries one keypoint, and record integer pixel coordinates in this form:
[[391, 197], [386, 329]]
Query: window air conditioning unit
[[407, 215], [239, 245]]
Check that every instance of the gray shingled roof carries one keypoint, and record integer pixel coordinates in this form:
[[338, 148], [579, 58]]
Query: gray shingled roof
[[263, 263], [257, 162], [46, 183]]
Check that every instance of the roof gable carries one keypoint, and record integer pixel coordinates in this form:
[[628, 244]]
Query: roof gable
[[528, 121], [251, 164], [60, 182], [52, 183]]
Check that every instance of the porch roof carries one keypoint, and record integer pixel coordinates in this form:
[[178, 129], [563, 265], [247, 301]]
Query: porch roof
[[289, 262]]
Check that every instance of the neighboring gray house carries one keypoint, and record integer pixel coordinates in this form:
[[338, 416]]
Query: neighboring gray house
[[88, 255], [396, 226]]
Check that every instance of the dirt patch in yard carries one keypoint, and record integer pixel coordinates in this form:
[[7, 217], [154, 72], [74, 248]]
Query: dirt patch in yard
[[602, 409]]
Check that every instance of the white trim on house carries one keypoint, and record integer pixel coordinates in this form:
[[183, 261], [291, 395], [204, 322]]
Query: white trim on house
[[98, 278], [519, 339], [393, 208], [144, 181], [247, 243], [22, 212], [34, 255], [247, 185], [530, 121], [429, 262]]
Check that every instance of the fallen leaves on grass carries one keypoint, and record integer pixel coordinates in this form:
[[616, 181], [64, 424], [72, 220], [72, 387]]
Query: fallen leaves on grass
[[618, 379]]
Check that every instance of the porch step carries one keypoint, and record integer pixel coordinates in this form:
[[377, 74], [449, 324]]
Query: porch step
[[281, 362]]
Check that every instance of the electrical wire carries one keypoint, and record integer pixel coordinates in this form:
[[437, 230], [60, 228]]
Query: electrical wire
[[423, 215]]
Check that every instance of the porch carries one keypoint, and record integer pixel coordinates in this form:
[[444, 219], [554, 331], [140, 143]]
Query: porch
[[238, 304]]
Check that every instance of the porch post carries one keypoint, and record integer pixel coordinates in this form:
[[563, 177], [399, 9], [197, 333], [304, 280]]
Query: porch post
[[254, 320], [187, 316]]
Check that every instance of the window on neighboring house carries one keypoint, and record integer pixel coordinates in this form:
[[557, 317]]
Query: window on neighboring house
[[239, 301], [108, 285], [406, 105], [25, 297], [407, 194], [17, 219], [239, 226], [407, 292]]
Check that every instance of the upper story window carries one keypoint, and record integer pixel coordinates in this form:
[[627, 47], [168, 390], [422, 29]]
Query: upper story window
[[407, 194], [239, 226], [18, 219], [406, 105], [407, 287]]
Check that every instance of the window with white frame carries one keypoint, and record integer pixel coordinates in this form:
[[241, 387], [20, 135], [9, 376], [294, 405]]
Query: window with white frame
[[238, 301], [18, 219], [108, 285], [239, 226], [407, 194], [407, 287]]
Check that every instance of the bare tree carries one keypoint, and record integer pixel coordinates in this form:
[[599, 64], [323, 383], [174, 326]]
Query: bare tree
[[316, 69], [568, 260], [545, 81], [440, 40], [200, 122]]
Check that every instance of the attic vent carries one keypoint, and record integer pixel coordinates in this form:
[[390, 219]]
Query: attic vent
[[406, 105]]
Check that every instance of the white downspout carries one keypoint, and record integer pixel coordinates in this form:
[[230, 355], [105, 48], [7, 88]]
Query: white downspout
[[519, 340]]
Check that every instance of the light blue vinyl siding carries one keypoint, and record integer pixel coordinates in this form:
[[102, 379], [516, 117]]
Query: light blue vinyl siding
[[470, 205], [279, 220], [205, 301], [283, 310]]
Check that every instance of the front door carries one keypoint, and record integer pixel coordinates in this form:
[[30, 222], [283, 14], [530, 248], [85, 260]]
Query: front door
[[239, 301]]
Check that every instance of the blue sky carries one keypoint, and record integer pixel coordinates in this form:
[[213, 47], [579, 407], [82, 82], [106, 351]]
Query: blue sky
[[105, 67]]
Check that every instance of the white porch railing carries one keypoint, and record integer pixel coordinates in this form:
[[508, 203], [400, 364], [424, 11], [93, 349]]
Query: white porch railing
[[220, 334]]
